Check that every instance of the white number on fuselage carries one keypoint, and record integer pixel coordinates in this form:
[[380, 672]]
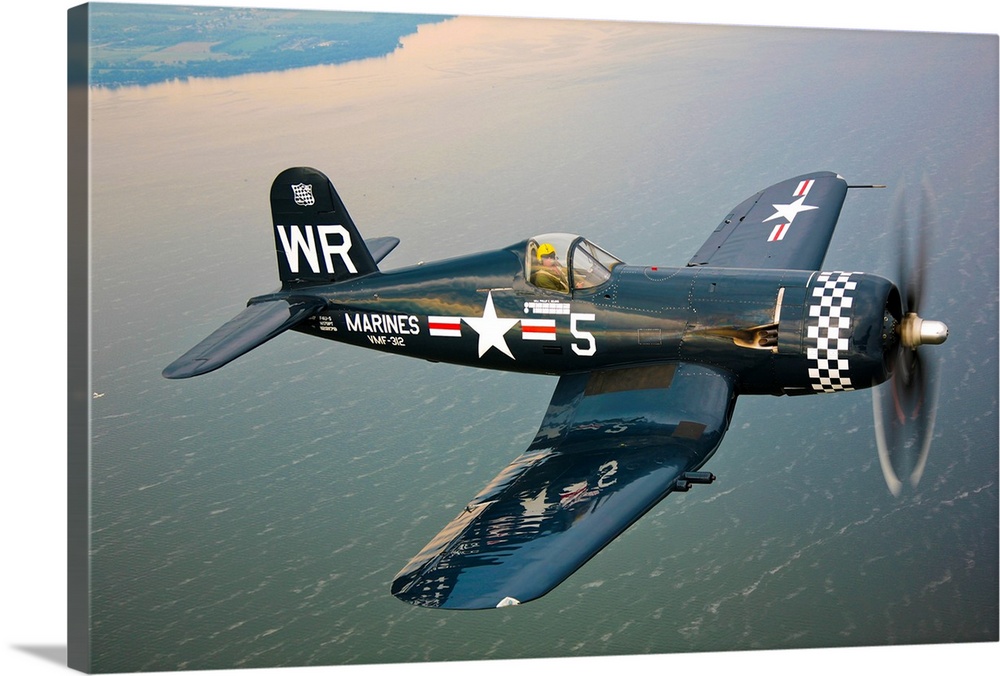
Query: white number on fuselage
[[590, 348]]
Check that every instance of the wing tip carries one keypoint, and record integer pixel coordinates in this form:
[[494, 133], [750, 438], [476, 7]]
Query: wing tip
[[185, 368]]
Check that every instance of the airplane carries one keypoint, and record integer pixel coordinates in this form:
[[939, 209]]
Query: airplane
[[650, 361]]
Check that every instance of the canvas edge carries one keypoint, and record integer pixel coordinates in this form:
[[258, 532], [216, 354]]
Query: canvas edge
[[78, 341]]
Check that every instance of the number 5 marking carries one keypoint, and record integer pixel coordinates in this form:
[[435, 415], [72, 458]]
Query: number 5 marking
[[585, 336]]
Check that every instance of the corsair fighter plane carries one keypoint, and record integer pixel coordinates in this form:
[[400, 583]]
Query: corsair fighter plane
[[649, 360]]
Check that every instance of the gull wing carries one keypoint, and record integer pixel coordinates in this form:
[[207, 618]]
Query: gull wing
[[612, 444], [785, 227]]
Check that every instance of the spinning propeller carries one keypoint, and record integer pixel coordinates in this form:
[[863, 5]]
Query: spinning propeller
[[904, 407]]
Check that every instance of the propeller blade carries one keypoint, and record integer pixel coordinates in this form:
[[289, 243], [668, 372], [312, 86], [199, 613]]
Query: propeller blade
[[883, 444], [904, 408], [900, 223], [926, 220]]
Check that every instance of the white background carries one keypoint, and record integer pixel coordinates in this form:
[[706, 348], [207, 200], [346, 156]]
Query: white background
[[33, 162]]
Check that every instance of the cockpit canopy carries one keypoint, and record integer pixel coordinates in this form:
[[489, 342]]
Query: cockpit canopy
[[561, 262]]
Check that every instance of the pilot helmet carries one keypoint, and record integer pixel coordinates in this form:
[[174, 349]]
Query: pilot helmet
[[544, 250]]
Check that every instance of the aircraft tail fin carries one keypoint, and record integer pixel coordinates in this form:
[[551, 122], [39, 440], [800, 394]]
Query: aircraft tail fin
[[315, 238], [316, 243]]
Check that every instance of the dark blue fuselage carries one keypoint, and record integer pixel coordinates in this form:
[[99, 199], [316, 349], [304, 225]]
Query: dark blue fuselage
[[479, 310]]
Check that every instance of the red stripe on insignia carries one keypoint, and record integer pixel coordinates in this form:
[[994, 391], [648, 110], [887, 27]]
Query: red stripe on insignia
[[446, 327], [778, 233], [804, 187], [538, 329]]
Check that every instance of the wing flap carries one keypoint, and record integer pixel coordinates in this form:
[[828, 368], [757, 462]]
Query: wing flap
[[603, 456], [787, 226], [252, 327]]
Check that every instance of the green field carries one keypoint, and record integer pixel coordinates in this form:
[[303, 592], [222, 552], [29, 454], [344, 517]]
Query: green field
[[145, 44]]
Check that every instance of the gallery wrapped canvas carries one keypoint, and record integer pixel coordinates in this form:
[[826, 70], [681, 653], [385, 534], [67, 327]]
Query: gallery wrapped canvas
[[607, 460]]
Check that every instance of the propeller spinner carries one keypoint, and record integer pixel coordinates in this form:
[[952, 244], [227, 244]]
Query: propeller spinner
[[904, 408]]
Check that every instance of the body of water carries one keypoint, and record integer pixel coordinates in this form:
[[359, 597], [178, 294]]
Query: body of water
[[256, 516]]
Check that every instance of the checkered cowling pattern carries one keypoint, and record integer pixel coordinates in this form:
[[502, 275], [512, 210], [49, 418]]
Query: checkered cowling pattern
[[829, 325]]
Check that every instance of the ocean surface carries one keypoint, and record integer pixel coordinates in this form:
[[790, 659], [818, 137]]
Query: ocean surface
[[256, 516]]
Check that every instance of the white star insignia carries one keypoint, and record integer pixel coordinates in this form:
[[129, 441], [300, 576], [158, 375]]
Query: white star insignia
[[491, 329], [535, 506], [789, 211]]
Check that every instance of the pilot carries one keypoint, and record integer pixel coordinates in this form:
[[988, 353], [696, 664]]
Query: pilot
[[548, 273]]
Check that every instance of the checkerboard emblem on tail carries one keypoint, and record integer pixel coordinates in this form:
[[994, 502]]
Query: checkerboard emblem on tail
[[302, 194]]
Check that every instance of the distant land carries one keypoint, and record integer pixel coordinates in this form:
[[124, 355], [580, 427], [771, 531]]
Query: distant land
[[146, 44]]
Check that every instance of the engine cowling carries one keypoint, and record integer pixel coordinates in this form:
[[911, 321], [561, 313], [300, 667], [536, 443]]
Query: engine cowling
[[843, 335]]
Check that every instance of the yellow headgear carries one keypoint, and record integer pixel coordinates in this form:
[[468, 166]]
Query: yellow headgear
[[545, 250]]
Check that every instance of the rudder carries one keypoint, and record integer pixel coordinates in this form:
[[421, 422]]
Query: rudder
[[315, 240]]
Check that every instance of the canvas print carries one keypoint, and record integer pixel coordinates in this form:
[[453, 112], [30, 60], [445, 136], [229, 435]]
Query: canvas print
[[417, 338]]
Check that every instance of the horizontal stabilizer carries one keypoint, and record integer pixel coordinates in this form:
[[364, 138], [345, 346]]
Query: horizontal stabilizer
[[379, 247], [257, 324]]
